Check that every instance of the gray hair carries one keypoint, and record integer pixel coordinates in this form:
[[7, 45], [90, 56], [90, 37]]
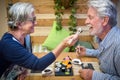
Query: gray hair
[[19, 13], [105, 8]]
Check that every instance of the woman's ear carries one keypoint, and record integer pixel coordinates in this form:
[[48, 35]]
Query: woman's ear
[[19, 24], [105, 20]]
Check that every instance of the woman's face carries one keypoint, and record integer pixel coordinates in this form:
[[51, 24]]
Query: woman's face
[[28, 26], [94, 22]]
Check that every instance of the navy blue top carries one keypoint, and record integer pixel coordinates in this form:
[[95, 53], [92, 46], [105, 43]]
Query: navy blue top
[[12, 52]]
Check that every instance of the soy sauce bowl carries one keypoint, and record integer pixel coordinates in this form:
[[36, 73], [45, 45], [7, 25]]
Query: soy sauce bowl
[[76, 61], [47, 71]]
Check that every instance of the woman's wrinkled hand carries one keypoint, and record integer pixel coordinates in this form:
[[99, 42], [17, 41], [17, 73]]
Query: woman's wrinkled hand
[[71, 40]]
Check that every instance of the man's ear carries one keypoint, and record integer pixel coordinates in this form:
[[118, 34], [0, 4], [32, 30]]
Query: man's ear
[[105, 20]]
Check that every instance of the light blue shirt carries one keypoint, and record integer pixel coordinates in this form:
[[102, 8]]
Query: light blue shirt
[[108, 54]]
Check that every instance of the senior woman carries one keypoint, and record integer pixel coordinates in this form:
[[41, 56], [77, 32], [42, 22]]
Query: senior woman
[[21, 22]]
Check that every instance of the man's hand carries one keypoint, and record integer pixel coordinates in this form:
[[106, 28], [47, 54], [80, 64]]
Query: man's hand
[[81, 51], [86, 74]]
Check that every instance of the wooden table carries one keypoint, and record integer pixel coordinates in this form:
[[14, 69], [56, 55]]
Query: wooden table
[[38, 76]]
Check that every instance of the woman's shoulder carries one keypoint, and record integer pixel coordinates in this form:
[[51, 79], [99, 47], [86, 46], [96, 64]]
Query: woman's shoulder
[[6, 36]]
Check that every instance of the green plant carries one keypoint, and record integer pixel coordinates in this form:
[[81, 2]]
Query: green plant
[[60, 6], [58, 13], [73, 21]]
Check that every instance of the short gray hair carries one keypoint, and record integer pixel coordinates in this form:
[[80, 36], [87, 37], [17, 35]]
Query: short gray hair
[[105, 8], [19, 12]]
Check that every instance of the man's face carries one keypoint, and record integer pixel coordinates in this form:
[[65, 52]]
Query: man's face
[[94, 22]]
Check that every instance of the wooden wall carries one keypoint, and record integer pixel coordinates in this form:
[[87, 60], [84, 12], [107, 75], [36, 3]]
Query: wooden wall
[[3, 18], [44, 10]]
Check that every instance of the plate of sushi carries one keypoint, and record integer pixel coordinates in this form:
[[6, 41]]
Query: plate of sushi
[[64, 67]]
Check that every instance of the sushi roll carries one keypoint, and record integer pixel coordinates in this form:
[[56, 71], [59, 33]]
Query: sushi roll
[[63, 69], [57, 69]]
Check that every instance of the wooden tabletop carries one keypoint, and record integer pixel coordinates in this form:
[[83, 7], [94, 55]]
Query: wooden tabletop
[[38, 76]]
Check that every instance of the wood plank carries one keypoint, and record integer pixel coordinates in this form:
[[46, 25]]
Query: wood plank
[[64, 16], [49, 22], [82, 9], [43, 9], [38, 39], [41, 39], [41, 31], [47, 6], [86, 38], [82, 2], [49, 18], [44, 31], [47, 2]]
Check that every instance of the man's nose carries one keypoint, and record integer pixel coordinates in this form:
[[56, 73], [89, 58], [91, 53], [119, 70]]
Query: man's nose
[[87, 21]]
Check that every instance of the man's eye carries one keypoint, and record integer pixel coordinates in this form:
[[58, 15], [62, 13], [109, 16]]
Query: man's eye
[[90, 17]]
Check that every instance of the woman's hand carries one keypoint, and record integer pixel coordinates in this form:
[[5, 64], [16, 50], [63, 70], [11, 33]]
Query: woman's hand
[[65, 43], [71, 40]]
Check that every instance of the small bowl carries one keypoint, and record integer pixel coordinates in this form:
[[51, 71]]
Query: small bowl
[[76, 61], [47, 71]]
